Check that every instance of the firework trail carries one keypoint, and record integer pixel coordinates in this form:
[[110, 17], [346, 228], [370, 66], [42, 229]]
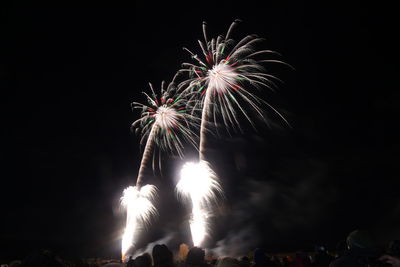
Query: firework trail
[[163, 121], [220, 79], [223, 77], [199, 184]]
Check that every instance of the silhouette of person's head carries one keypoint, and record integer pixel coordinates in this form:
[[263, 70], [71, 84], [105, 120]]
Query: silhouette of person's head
[[301, 256], [183, 251], [359, 239], [195, 257], [143, 260], [320, 249], [130, 262], [259, 257], [162, 256], [394, 248], [245, 262]]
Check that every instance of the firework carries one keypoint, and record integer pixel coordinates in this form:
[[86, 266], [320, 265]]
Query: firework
[[224, 76], [163, 121], [199, 184], [140, 209], [221, 80]]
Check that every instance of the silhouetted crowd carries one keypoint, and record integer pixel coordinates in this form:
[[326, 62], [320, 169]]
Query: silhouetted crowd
[[358, 251]]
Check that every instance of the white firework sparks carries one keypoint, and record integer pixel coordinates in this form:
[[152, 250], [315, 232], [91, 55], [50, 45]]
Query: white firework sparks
[[228, 71], [139, 209], [198, 224], [163, 122], [199, 184], [166, 120], [221, 80]]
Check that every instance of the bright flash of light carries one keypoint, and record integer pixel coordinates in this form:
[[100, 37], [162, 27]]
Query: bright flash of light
[[225, 73], [199, 183], [139, 211], [221, 78]]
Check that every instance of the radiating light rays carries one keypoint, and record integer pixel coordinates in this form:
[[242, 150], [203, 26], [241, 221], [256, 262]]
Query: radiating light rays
[[199, 184]]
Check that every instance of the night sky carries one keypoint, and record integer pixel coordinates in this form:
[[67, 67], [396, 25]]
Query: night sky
[[68, 76]]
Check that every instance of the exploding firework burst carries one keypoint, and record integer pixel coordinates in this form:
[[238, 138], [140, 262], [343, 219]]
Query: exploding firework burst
[[225, 74]]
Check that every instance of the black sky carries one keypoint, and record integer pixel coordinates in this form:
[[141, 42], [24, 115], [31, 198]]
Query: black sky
[[68, 76]]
